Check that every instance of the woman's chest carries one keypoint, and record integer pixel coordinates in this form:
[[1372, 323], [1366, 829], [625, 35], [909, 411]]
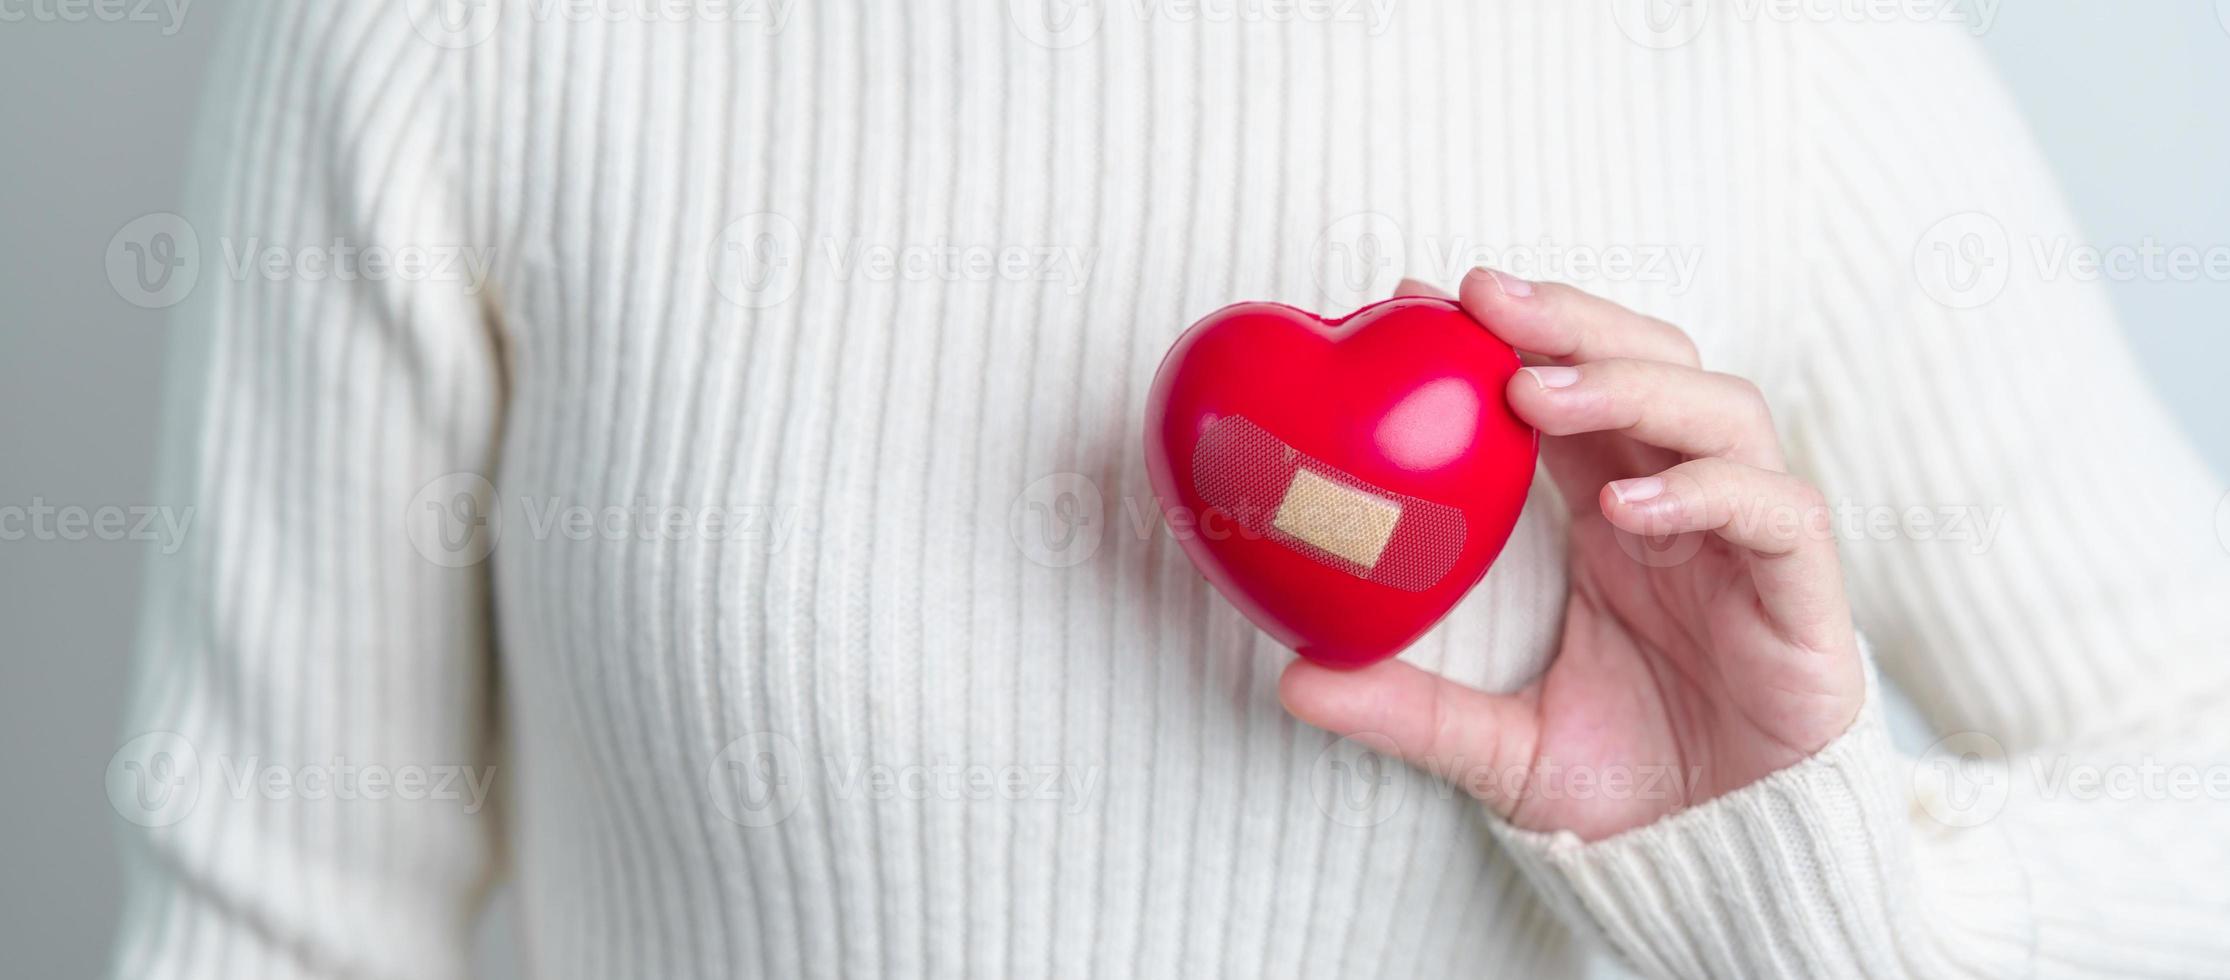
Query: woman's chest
[[829, 349]]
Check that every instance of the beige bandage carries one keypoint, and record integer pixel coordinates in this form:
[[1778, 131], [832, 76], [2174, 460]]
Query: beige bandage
[[1339, 519]]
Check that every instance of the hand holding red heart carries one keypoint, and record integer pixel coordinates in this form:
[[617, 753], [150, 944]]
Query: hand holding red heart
[[1698, 676]]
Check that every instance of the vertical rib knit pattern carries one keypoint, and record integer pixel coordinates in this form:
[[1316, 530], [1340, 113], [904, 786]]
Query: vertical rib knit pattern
[[891, 434]]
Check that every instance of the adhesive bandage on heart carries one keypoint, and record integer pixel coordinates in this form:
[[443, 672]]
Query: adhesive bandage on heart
[[1275, 491]]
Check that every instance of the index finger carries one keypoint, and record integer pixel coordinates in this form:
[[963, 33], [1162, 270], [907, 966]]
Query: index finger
[[1568, 325]]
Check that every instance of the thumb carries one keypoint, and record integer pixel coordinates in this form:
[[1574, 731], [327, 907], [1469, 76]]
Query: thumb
[[1483, 743]]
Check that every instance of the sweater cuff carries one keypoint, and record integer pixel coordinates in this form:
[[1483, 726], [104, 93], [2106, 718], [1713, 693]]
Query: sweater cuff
[[1821, 869]]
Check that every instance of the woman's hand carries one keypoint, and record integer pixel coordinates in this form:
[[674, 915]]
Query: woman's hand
[[1684, 672]]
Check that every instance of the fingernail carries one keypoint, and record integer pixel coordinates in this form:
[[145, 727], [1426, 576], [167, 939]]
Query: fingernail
[[1636, 491], [1554, 376], [1510, 285]]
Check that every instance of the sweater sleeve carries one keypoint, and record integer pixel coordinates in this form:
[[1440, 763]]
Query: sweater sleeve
[[2034, 555], [307, 764]]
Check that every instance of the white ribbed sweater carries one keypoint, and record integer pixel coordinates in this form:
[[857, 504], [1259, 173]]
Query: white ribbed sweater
[[899, 424]]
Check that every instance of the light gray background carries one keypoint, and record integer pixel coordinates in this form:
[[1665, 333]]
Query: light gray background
[[2128, 99]]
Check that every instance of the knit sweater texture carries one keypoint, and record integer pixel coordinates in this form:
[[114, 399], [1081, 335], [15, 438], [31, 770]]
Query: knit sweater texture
[[768, 516]]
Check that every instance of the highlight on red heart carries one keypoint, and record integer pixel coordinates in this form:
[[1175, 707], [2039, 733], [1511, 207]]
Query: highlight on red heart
[[1367, 469]]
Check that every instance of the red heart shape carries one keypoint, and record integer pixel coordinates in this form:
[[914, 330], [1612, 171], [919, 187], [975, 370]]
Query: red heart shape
[[1342, 482]]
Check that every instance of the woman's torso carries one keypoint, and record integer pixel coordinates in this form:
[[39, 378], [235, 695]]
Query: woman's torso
[[834, 322]]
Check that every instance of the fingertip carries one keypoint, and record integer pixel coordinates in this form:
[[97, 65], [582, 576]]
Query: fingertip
[[1418, 287], [1544, 397], [1497, 287], [1293, 686], [1306, 688], [1607, 502], [1640, 506], [1478, 292], [1489, 298], [1528, 397]]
